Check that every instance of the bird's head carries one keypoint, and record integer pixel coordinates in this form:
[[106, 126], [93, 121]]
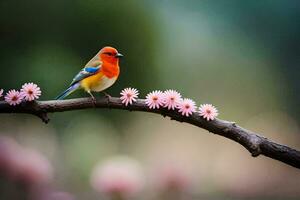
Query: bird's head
[[110, 54]]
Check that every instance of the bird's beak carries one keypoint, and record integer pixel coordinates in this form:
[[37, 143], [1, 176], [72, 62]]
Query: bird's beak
[[119, 55]]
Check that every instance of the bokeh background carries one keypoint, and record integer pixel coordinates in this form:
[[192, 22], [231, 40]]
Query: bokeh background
[[242, 56]]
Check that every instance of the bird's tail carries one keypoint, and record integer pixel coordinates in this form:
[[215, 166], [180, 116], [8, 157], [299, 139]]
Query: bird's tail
[[68, 91]]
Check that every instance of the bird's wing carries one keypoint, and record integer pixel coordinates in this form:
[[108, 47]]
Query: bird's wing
[[94, 62], [87, 71]]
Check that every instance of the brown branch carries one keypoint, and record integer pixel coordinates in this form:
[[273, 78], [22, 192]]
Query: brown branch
[[254, 143]]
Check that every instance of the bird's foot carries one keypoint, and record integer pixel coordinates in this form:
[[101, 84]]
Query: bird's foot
[[108, 98], [94, 100], [106, 95]]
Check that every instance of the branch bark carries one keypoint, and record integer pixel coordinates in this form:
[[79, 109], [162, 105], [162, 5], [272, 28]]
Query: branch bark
[[253, 142]]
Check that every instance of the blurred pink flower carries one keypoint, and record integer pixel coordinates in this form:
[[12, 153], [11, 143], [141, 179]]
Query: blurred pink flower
[[32, 168], [30, 91], [9, 154], [208, 111], [47, 193], [13, 97], [120, 176], [155, 99], [172, 99], [60, 196], [1, 92], [129, 95], [187, 107], [23, 165], [172, 178]]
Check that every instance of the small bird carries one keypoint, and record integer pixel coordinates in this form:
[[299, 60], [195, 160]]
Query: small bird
[[98, 74]]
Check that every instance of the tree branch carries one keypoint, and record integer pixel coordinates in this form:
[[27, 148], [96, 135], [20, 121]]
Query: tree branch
[[254, 143]]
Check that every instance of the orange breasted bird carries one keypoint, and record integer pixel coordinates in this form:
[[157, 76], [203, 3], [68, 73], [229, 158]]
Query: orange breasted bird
[[98, 74]]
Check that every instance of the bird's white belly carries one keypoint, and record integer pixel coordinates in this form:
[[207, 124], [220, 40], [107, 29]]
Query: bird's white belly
[[103, 84]]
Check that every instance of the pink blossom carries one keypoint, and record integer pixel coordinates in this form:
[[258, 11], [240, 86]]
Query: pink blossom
[[47, 193], [208, 111], [1, 92], [155, 99], [30, 91], [172, 99], [119, 176], [13, 97], [9, 155], [23, 165], [129, 95], [187, 107], [172, 177], [33, 167]]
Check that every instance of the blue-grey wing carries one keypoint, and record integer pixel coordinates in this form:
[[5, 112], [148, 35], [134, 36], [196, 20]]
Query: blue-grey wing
[[84, 73]]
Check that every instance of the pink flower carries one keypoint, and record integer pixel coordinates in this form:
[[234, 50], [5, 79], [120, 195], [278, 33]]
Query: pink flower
[[172, 99], [33, 167], [23, 165], [9, 155], [208, 111], [129, 95], [187, 107], [30, 91], [119, 176], [155, 99], [172, 178], [47, 193], [13, 97], [1, 92]]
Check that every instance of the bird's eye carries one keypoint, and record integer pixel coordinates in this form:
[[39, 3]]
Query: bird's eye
[[108, 53]]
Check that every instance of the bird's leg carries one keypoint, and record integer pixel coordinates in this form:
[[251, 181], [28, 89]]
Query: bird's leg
[[108, 97], [93, 98]]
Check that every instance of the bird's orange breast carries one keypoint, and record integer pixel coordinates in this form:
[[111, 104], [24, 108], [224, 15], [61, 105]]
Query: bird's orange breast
[[110, 70], [103, 79]]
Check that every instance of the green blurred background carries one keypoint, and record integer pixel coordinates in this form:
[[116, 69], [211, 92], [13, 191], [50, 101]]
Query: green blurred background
[[241, 56]]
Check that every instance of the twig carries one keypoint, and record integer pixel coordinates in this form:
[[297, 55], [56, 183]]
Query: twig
[[253, 142]]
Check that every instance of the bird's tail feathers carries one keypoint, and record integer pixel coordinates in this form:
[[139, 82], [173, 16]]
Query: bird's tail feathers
[[68, 91]]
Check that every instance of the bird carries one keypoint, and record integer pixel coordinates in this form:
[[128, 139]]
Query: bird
[[98, 74]]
